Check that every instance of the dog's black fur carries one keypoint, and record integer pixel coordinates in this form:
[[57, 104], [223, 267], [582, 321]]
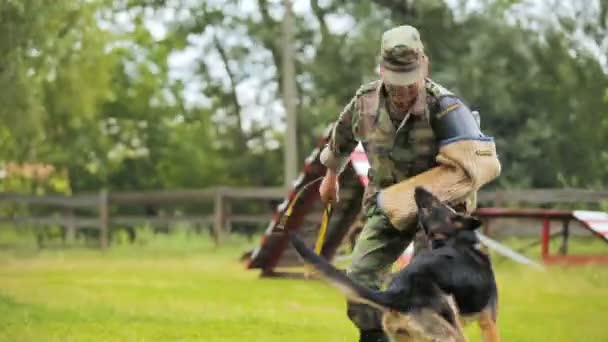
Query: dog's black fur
[[453, 268]]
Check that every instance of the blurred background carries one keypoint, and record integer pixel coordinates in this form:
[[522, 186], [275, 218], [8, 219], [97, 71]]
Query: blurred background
[[167, 132], [166, 94]]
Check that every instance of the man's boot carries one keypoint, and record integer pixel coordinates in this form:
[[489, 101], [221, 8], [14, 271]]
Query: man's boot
[[372, 336]]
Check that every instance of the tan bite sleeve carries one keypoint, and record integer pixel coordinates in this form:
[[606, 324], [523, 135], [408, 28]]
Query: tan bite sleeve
[[464, 167]]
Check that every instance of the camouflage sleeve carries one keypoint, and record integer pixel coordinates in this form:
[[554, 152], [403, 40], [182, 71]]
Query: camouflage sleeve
[[342, 141]]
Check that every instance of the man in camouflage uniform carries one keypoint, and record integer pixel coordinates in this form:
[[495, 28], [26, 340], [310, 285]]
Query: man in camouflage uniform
[[403, 121]]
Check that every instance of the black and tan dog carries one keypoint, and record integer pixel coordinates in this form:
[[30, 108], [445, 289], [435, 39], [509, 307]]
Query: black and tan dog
[[450, 283]]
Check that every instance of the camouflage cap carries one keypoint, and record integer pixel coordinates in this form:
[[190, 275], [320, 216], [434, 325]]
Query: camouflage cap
[[402, 52]]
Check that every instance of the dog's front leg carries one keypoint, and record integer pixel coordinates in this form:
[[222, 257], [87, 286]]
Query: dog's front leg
[[489, 327]]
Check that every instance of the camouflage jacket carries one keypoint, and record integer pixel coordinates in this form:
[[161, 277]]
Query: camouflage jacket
[[398, 147]]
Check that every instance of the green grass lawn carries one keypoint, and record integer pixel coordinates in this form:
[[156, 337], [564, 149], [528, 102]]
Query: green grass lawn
[[182, 288]]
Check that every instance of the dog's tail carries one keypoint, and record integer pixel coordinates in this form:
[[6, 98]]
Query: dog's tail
[[352, 290]]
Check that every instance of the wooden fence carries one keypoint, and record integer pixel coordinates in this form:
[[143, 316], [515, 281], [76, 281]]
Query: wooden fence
[[99, 205]]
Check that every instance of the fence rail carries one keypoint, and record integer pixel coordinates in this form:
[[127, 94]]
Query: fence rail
[[75, 201], [185, 196], [222, 218]]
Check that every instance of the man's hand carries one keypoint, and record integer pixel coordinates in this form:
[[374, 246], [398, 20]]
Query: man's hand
[[330, 188]]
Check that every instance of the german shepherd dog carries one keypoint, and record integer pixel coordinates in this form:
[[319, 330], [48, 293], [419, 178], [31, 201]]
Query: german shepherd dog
[[450, 283]]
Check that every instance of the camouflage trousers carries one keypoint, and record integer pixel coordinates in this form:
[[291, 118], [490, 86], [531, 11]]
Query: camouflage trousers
[[377, 248]]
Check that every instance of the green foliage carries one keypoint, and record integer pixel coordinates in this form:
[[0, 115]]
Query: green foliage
[[86, 85], [54, 72]]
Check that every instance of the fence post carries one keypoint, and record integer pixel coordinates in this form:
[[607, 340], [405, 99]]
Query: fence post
[[227, 215], [545, 237], [103, 218], [563, 250], [70, 227], [219, 215]]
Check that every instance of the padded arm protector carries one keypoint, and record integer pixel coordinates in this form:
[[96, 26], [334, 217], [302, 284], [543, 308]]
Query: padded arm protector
[[467, 160]]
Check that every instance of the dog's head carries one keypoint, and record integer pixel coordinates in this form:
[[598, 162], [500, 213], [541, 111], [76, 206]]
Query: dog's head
[[440, 221]]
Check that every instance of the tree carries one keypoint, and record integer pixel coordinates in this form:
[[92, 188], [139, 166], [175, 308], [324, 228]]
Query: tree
[[93, 93], [53, 64]]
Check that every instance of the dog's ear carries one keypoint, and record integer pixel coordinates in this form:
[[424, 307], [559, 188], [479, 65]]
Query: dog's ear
[[425, 199], [466, 222], [421, 224]]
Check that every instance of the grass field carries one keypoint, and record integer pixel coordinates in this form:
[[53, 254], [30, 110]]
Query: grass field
[[180, 288]]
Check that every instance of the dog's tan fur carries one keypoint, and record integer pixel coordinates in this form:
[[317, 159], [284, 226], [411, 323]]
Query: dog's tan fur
[[428, 326], [423, 326]]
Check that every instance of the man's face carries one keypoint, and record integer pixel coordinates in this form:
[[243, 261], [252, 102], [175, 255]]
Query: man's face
[[402, 97]]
